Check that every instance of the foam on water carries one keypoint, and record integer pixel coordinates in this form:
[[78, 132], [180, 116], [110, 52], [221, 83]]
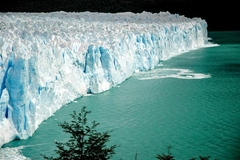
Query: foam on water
[[159, 73]]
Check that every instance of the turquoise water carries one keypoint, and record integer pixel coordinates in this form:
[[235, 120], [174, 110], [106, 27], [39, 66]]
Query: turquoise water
[[191, 102]]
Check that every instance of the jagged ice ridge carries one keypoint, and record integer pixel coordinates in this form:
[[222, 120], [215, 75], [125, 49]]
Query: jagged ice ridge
[[50, 59]]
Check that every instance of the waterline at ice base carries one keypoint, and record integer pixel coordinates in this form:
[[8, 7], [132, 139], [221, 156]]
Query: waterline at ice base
[[50, 59]]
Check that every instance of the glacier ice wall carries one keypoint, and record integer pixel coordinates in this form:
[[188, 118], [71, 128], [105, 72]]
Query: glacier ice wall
[[50, 59]]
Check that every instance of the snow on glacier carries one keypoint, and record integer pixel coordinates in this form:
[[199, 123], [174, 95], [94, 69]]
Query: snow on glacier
[[50, 59]]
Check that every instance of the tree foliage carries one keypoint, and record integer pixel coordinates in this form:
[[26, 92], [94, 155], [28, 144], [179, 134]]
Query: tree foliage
[[164, 156], [169, 156], [85, 142]]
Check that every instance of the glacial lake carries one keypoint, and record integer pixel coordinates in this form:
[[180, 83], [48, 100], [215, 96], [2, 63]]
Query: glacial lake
[[190, 102]]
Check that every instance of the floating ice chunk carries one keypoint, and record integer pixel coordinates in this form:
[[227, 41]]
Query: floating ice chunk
[[12, 153], [160, 73]]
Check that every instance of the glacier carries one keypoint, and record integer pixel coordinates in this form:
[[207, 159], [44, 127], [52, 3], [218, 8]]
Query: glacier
[[50, 59]]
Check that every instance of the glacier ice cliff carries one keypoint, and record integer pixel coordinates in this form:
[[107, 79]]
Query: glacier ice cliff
[[50, 59]]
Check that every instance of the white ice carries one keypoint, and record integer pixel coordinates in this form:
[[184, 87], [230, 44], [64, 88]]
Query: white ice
[[12, 153], [50, 59]]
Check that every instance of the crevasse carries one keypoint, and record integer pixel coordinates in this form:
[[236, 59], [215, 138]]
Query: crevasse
[[50, 59]]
